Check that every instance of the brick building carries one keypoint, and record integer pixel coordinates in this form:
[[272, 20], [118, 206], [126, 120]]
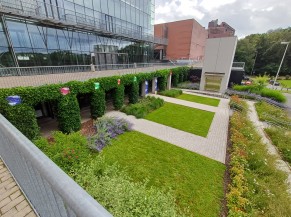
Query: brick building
[[216, 30], [186, 40]]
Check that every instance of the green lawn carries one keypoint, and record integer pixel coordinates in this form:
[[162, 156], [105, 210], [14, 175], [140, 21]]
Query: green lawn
[[196, 181], [184, 118], [286, 82], [199, 99]]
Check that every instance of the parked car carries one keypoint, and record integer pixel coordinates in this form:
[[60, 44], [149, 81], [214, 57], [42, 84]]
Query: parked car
[[272, 82]]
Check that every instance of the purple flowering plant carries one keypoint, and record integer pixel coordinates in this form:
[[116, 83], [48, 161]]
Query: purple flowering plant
[[106, 129]]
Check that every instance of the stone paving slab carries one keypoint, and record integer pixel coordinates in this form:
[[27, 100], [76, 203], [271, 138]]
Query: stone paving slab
[[12, 201], [37, 80], [281, 165], [213, 146]]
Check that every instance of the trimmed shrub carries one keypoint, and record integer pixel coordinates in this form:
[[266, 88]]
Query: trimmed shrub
[[171, 93], [69, 114], [134, 93], [175, 80], [181, 77], [189, 85], [114, 190], [143, 107], [118, 97], [98, 103], [162, 83], [23, 118], [107, 128]]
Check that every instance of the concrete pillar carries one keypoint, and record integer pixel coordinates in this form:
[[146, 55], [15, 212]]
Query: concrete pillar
[[92, 68], [169, 82], [154, 85], [144, 88], [161, 54]]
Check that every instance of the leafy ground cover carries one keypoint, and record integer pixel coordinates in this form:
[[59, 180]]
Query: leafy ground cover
[[143, 107], [199, 99], [286, 82], [257, 187], [184, 118], [196, 181]]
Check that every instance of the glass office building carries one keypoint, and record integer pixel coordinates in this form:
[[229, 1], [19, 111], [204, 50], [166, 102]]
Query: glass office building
[[75, 32]]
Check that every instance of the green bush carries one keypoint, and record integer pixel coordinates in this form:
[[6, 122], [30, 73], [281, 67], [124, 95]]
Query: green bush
[[23, 118], [143, 107], [273, 94], [98, 103], [171, 93], [175, 80], [162, 83], [114, 190], [69, 118], [265, 92], [118, 97], [134, 93], [66, 150]]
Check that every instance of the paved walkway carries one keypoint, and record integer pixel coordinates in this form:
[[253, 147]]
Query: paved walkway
[[37, 80], [281, 165], [213, 146], [12, 201]]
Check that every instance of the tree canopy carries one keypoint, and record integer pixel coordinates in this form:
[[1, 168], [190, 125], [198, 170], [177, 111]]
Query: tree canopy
[[263, 53]]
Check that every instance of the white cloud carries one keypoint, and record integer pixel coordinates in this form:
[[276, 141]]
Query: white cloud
[[245, 16], [210, 4]]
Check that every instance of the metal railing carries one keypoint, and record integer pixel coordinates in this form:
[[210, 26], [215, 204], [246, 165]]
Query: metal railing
[[51, 192], [43, 70], [48, 13]]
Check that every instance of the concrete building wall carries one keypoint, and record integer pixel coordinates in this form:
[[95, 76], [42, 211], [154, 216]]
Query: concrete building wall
[[219, 54]]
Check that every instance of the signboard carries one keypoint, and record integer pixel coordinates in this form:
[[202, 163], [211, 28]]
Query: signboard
[[156, 84], [65, 91], [13, 100], [134, 79], [118, 81], [97, 85]]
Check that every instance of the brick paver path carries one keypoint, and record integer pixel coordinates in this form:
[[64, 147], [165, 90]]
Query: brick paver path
[[281, 165], [213, 146], [12, 201]]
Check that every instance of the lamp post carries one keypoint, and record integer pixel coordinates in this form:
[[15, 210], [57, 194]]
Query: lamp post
[[287, 43]]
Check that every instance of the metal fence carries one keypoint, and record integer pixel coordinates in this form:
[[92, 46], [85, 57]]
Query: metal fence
[[44, 70], [51, 192], [240, 65]]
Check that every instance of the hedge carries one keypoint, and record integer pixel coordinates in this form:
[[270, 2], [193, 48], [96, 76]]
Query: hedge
[[31, 96], [23, 118], [69, 114], [134, 93], [118, 97], [98, 103]]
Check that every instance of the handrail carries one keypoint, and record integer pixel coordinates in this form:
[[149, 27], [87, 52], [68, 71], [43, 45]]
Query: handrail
[[50, 190]]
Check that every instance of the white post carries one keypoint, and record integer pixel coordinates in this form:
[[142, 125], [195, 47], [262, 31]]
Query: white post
[[92, 68], [280, 63], [169, 83]]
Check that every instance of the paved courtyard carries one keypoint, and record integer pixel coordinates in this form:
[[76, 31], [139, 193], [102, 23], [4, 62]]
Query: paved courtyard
[[12, 201], [213, 146]]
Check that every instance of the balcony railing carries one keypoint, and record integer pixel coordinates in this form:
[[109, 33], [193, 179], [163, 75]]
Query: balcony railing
[[51, 192], [48, 13], [43, 70], [239, 65]]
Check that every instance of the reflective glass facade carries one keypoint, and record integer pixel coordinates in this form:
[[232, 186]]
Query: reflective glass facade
[[120, 32]]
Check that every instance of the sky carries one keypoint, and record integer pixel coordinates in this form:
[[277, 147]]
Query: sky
[[245, 16]]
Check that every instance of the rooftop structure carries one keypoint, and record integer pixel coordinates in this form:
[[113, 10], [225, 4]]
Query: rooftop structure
[[186, 40], [216, 30]]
